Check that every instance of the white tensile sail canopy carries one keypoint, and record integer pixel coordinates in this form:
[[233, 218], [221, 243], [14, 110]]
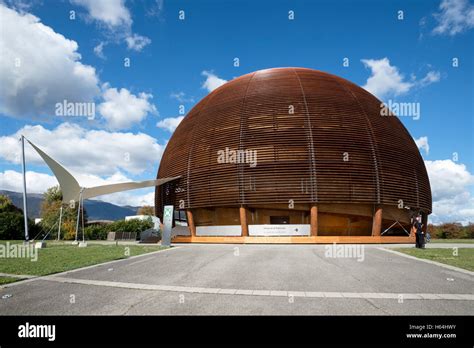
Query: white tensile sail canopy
[[71, 189]]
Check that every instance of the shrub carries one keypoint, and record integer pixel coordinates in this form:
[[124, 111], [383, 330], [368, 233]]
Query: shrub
[[134, 225], [96, 232], [451, 231], [99, 232]]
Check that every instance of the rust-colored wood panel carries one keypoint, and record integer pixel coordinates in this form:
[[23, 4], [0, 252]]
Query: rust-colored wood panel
[[377, 222]]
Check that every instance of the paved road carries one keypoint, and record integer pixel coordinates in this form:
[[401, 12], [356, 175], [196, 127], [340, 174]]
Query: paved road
[[249, 279]]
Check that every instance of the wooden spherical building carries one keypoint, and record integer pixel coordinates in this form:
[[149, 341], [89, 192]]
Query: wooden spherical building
[[293, 155]]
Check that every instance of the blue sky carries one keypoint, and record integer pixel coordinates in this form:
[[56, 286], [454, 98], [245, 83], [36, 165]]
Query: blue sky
[[177, 62]]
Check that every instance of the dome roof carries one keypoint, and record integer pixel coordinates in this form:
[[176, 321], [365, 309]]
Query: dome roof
[[318, 139]]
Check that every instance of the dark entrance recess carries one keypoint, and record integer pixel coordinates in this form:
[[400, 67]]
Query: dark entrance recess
[[277, 220]]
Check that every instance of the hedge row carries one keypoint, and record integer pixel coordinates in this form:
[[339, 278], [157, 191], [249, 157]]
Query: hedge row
[[451, 231], [99, 232]]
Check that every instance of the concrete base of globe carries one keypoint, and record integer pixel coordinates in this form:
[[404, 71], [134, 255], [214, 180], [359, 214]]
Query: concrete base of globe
[[40, 245], [82, 244], [317, 224], [298, 240]]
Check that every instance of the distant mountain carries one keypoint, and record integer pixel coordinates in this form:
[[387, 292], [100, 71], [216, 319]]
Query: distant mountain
[[34, 201], [96, 210]]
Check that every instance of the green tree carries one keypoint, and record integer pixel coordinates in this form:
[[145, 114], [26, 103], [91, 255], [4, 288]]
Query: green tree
[[50, 210], [146, 210], [451, 231], [470, 230], [53, 194], [12, 224], [6, 205]]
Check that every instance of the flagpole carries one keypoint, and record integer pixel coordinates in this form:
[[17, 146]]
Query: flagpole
[[25, 212]]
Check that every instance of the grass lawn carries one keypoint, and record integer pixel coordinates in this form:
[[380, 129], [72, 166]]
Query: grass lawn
[[62, 256], [6, 280], [464, 259], [452, 240]]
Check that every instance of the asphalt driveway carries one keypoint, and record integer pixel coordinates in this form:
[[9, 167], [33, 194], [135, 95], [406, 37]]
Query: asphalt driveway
[[249, 279]]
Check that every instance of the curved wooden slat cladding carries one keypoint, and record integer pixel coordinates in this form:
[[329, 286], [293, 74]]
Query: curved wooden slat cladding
[[318, 139]]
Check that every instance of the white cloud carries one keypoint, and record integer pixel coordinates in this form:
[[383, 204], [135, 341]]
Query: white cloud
[[21, 5], [111, 12], [155, 9], [170, 123], [39, 182], [448, 178], [117, 19], [11, 180], [121, 109], [455, 16], [137, 42], [50, 72], [212, 81], [49, 68], [422, 143], [95, 152], [385, 79], [181, 97], [99, 50], [431, 77], [458, 209], [450, 185]]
